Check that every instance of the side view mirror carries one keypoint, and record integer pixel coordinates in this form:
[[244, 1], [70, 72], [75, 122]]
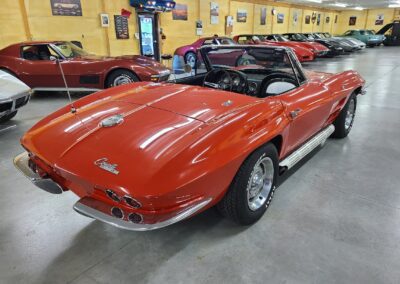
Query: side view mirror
[[53, 58], [187, 68]]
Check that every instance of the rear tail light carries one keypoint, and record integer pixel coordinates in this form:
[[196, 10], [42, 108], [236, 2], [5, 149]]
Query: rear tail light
[[111, 194], [135, 218], [132, 202]]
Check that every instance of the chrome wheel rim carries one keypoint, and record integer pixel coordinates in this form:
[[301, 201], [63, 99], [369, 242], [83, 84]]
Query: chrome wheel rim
[[350, 115], [191, 60], [260, 183], [122, 80]]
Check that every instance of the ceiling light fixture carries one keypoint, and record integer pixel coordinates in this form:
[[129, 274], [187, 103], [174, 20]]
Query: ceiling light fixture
[[342, 5], [358, 8]]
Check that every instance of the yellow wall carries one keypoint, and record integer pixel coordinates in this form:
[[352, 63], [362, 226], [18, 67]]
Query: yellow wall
[[22, 20]]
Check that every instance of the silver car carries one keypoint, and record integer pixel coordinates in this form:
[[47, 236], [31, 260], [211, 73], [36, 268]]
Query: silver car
[[13, 95]]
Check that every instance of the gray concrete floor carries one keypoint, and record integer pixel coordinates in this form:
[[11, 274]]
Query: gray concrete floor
[[336, 219]]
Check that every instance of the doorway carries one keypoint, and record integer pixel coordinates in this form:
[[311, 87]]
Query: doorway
[[148, 35]]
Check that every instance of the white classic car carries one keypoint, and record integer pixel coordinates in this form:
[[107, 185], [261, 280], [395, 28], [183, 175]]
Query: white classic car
[[13, 95]]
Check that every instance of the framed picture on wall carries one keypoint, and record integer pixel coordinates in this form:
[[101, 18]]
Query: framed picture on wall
[[214, 13], [327, 20], [379, 19], [280, 18], [318, 19], [336, 18], [263, 17], [180, 13], [241, 16], [352, 21], [66, 7], [104, 20], [308, 19], [295, 17], [121, 27]]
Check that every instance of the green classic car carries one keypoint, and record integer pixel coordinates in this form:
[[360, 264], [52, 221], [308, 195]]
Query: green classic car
[[366, 36]]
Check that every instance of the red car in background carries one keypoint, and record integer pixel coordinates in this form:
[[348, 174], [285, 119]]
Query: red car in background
[[318, 49], [36, 64], [189, 52], [303, 54]]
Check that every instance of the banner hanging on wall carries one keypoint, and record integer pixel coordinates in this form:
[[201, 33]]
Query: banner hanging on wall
[[214, 13], [263, 17], [121, 27], [66, 7]]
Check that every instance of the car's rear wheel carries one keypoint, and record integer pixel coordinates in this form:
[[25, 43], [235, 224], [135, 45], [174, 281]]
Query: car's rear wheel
[[7, 117], [191, 58], [344, 122], [121, 77], [253, 187]]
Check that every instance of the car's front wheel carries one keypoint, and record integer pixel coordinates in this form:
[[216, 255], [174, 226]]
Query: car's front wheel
[[7, 117], [253, 187], [344, 122], [121, 77]]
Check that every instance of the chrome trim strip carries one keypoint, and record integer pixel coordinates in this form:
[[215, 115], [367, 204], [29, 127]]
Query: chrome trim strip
[[21, 162], [64, 89], [307, 148], [126, 225]]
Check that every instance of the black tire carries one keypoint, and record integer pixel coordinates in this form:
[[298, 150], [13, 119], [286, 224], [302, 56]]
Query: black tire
[[7, 117], [191, 58], [125, 75], [235, 204], [341, 129]]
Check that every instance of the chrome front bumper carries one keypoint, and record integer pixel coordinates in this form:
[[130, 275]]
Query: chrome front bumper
[[21, 162], [91, 212]]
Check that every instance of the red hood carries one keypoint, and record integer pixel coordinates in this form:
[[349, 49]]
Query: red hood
[[313, 46]]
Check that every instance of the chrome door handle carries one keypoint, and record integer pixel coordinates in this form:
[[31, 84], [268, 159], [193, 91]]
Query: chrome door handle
[[295, 113]]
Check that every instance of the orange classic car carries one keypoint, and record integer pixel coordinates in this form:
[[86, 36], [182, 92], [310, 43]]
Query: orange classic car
[[146, 155]]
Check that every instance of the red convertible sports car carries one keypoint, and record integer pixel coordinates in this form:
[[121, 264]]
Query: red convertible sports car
[[303, 53], [36, 64], [146, 155]]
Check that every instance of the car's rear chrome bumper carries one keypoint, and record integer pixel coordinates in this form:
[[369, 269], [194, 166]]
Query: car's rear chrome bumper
[[92, 208], [21, 162]]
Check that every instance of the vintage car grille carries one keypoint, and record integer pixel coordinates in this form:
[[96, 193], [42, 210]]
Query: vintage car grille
[[21, 102], [5, 106]]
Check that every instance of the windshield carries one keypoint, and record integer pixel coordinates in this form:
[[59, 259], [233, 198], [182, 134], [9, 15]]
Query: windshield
[[280, 38], [226, 41], [70, 50], [299, 37], [366, 33], [318, 36]]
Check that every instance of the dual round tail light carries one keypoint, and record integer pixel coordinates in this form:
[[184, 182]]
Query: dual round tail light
[[131, 202], [133, 217]]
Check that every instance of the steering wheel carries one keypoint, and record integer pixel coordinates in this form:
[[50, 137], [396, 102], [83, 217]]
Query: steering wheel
[[288, 82], [228, 80]]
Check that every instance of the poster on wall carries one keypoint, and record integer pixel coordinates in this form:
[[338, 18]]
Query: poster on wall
[[229, 25], [180, 13], [379, 20], [263, 17], [318, 19], [199, 27], [308, 19], [214, 13], [241, 16], [66, 7], [352, 21], [121, 27], [280, 18], [327, 20], [105, 20]]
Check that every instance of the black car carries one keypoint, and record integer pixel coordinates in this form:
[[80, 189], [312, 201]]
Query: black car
[[334, 49]]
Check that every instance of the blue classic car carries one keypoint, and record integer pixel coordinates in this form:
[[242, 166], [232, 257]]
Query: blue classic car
[[367, 36]]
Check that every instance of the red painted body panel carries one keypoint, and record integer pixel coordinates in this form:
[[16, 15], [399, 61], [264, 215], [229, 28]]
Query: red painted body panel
[[46, 73], [178, 143]]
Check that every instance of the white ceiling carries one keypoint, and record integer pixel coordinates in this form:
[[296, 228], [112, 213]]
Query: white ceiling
[[351, 3]]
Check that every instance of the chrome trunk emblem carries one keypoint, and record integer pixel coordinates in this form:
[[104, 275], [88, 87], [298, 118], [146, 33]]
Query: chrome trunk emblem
[[103, 164], [112, 121]]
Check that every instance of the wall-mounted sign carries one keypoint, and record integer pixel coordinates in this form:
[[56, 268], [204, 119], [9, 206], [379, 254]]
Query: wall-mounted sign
[[352, 21], [180, 13], [241, 16], [66, 7], [121, 27], [263, 16], [199, 27], [379, 19], [214, 13], [280, 18], [327, 20], [104, 20]]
